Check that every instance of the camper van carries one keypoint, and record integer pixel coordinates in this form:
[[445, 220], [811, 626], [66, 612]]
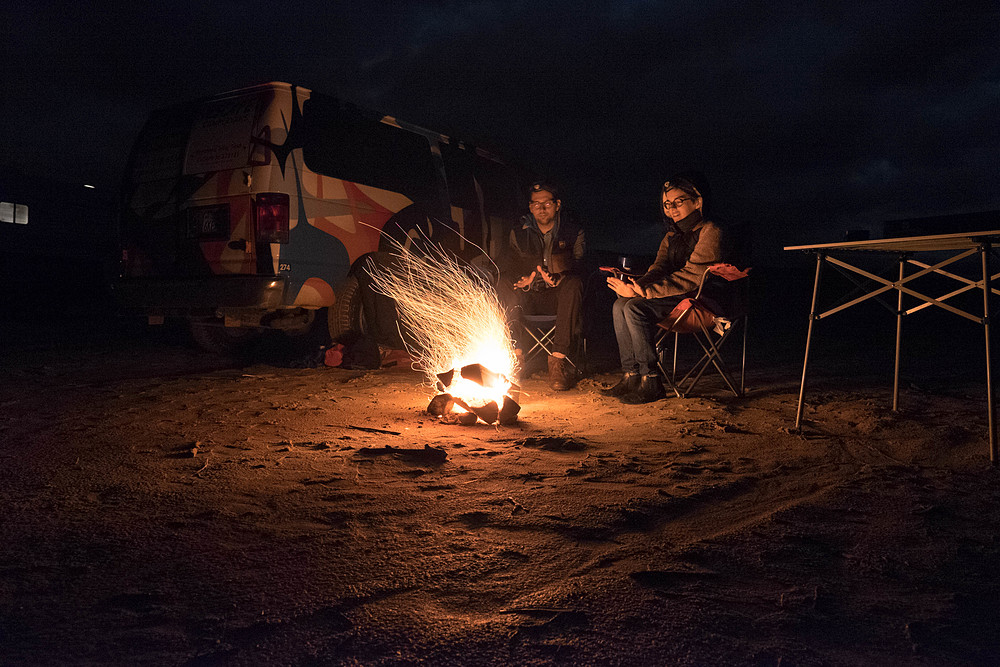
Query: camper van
[[253, 209]]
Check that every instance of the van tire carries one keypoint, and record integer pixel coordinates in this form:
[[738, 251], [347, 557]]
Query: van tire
[[212, 336], [345, 315], [408, 226]]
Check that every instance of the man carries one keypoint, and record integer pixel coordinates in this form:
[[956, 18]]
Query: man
[[540, 274]]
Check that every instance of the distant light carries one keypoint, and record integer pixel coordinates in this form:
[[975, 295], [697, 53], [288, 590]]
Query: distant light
[[89, 186], [13, 213]]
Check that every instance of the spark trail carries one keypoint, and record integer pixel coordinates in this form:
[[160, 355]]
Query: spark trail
[[454, 316]]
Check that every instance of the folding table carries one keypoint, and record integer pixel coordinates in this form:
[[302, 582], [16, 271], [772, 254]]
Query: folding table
[[957, 246]]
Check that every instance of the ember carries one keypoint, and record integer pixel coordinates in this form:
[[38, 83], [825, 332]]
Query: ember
[[464, 345]]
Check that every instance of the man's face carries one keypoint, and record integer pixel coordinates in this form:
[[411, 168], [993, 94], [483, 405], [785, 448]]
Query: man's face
[[543, 207]]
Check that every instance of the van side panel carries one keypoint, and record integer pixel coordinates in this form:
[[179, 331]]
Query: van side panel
[[333, 222]]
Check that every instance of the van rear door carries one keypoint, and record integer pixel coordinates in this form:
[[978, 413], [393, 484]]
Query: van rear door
[[188, 221]]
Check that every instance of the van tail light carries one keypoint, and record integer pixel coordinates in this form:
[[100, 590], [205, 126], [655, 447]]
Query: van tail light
[[272, 217]]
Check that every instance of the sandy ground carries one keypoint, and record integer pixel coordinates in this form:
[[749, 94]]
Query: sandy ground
[[161, 506]]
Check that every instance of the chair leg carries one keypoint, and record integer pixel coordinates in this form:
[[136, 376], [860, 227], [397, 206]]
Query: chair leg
[[677, 344], [695, 373], [542, 343], [743, 358], [668, 378], [712, 355]]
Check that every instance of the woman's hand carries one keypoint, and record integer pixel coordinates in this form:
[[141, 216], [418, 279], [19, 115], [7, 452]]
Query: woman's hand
[[622, 288]]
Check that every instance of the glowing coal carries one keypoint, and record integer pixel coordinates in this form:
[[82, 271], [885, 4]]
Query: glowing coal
[[462, 340]]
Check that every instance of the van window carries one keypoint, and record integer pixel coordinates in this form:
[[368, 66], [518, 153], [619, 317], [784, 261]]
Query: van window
[[159, 150], [220, 136], [342, 142], [468, 170]]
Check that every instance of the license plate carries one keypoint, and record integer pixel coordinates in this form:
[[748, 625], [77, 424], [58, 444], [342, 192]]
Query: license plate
[[211, 222]]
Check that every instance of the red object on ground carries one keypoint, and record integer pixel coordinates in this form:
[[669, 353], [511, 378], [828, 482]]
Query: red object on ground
[[395, 357], [334, 355]]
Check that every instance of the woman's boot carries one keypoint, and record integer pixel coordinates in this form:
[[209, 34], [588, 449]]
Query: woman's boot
[[628, 384], [650, 389]]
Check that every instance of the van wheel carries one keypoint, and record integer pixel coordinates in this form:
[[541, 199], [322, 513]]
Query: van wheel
[[408, 226], [485, 268], [212, 336], [345, 315]]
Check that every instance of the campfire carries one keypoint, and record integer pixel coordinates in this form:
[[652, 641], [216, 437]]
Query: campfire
[[463, 343], [476, 393]]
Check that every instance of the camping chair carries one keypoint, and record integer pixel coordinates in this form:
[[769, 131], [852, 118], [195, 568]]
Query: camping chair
[[541, 329], [712, 326]]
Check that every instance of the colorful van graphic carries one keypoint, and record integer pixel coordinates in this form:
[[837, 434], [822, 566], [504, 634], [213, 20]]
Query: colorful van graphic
[[253, 208]]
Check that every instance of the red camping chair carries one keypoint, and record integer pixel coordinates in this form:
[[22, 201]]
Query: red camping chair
[[712, 326]]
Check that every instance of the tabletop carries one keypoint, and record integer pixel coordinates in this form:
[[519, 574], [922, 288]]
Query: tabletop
[[959, 241]]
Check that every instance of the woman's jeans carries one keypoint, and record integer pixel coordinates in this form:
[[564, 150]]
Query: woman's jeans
[[635, 327]]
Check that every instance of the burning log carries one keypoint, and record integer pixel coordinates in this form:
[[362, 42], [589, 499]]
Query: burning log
[[489, 413], [508, 413], [463, 418], [481, 375], [441, 404], [444, 379]]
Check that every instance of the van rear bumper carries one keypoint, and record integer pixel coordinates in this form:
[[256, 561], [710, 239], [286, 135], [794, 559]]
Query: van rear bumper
[[203, 293]]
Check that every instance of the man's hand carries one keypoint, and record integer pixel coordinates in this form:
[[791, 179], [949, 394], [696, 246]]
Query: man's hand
[[525, 281], [624, 289], [546, 276]]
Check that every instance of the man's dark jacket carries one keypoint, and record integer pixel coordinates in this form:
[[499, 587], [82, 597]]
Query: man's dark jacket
[[525, 247]]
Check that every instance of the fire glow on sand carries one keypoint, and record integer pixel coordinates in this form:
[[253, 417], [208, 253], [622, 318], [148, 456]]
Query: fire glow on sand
[[460, 331]]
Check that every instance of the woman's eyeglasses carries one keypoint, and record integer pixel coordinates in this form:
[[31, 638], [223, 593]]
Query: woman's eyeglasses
[[667, 204]]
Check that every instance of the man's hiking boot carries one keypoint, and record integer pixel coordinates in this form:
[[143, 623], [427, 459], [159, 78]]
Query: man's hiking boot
[[562, 374]]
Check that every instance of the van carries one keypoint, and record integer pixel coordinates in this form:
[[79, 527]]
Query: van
[[253, 210]]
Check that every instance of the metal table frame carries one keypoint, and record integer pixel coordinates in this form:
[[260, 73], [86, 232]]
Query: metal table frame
[[960, 245]]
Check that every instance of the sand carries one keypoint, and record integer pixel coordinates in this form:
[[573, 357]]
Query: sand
[[164, 506]]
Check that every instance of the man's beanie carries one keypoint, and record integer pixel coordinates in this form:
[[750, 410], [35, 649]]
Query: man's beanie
[[540, 186]]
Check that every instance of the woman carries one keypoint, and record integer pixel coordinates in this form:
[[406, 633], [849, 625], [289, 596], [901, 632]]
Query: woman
[[690, 246]]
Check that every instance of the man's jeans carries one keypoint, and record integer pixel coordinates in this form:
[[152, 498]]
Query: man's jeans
[[564, 300], [635, 327]]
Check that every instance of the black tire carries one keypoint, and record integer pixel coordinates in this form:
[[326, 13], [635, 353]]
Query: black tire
[[212, 336], [409, 226], [485, 268], [345, 315]]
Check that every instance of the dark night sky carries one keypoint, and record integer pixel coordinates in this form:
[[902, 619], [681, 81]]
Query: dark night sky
[[809, 118]]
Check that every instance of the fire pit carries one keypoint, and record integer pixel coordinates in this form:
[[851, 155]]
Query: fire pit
[[475, 394]]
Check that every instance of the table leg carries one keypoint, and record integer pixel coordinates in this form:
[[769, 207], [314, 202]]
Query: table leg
[[899, 333], [984, 255], [809, 331]]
